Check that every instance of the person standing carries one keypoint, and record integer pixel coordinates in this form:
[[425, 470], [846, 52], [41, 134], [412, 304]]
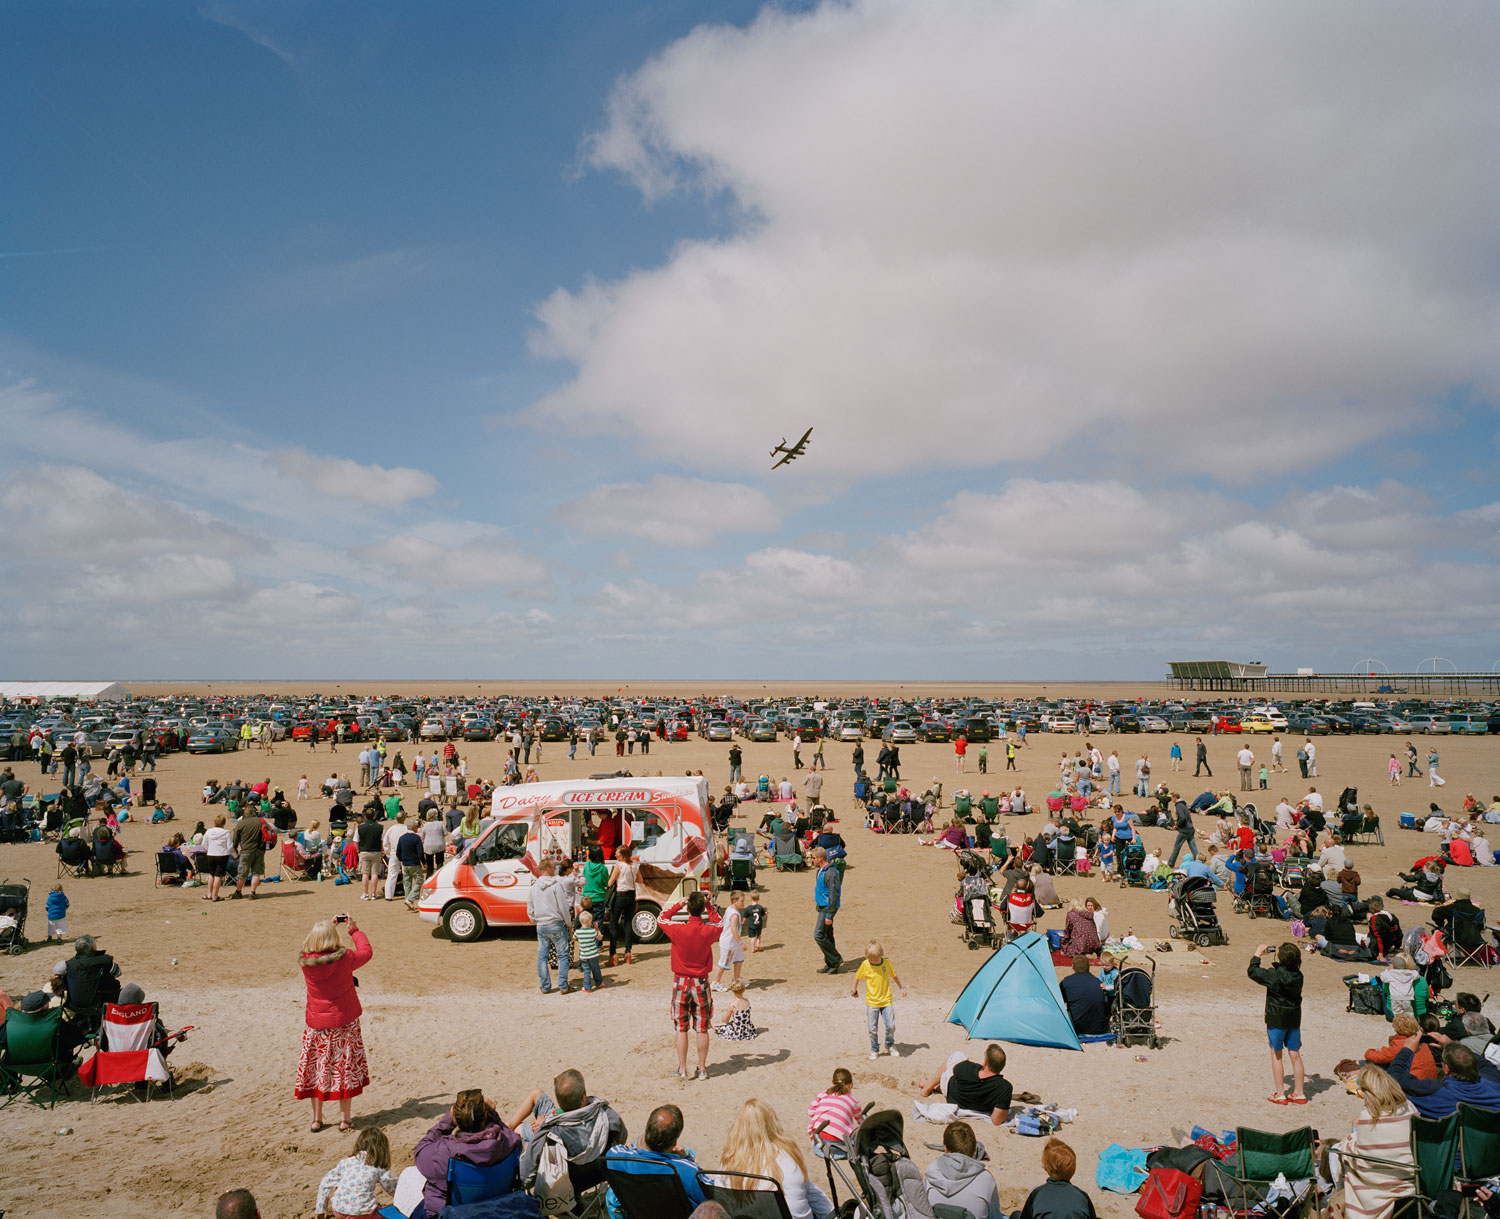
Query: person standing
[[1246, 760], [1393, 772], [624, 873], [1433, 778], [1412, 770], [1276, 763], [1302, 759], [1112, 764], [1202, 759], [250, 844], [1010, 754], [332, 1064], [692, 960], [1186, 833], [1143, 776], [858, 758], [796, 751], [878, 975], [1312, 758], [409, 854], [1283, 983], [827, 894], [1174, 755], [736, 759], [984, 759], [549, 907], [960, 749], [70, 764]]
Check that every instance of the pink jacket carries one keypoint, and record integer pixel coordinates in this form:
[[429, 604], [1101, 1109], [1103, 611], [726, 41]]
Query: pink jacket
[[332, 1000]]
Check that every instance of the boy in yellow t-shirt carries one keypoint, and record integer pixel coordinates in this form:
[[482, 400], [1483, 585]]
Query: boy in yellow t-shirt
[[877, 973]]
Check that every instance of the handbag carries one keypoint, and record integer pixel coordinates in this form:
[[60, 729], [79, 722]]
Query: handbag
[[1169, 1194]]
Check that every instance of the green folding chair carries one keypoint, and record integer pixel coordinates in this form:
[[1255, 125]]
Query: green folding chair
[[1260, 1157], [1478, 1143], [33, 1061]]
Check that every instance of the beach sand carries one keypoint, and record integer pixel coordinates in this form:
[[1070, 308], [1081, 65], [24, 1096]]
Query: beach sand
[[441, 1016]]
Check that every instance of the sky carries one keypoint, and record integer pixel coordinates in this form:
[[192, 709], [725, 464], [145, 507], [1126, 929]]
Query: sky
[[401, 340]]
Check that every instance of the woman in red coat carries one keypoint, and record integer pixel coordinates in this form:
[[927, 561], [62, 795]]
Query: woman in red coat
[[332, 1064]]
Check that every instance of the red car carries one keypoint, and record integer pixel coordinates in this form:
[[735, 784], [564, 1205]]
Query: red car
[[1227, 723], [677, 730]]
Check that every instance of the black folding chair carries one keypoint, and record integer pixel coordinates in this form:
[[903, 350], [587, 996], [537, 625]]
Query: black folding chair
[[647, 1189]]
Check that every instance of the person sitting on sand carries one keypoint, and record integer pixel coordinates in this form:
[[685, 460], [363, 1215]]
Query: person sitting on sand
[[959, 1180], [1058, 1198], [1044, 890], [1404, 1026], [1080, 931], [974, 1087]]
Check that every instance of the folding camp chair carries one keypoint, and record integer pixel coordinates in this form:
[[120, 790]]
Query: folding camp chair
[[1478, 1143], [1260, 1157], [1434, 1150], [1065, 857], [169, 870], [645, 1188], [741, 873], [1470, 941], [129, 1052], [34, 1061], [470, 1183], [745, 1195]]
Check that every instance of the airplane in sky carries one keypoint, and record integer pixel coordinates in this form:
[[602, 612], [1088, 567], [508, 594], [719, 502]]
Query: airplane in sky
[[792, 453]]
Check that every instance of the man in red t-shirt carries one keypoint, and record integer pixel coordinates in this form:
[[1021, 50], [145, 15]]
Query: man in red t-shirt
[[692, 960]]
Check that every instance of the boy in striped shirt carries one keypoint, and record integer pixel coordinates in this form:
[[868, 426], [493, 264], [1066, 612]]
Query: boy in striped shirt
[[586, 936]]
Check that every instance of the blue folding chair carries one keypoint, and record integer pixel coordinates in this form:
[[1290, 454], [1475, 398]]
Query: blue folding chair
[[474, 1182]]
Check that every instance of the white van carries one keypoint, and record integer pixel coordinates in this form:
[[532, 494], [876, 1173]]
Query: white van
[[666, 820]]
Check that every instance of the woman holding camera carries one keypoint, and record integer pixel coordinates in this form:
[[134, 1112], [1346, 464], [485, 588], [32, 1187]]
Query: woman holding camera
[[332, 1064]]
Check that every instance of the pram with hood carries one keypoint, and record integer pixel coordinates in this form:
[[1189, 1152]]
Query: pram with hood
[[887, 1184], [1193, 906], [1132, 1015], [14, 901], [1130, 857]]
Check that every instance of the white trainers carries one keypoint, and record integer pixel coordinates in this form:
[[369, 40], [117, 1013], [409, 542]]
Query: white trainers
[[720, 987], [893, 1051], [874, 1054]]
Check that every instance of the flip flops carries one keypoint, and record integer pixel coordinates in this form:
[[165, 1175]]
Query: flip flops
[[1278, 1100], [1296, 1100]]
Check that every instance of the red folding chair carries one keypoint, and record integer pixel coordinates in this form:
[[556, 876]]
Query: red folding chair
[[129, 1051]]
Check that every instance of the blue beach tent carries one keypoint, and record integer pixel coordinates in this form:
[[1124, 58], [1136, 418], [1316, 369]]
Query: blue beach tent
[[1014, 997]]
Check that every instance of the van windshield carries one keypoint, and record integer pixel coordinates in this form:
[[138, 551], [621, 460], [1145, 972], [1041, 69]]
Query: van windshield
[[507, 842]]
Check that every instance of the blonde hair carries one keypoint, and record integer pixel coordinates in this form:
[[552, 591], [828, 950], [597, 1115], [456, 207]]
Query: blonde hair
[[585, 919], [754, 1142], [219, 820], [322, 939], [737, 987], [1382, 1094], [875, 949], [1405, 1024]]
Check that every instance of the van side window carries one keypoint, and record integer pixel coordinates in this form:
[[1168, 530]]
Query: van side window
[[507, 842], [648, 827]]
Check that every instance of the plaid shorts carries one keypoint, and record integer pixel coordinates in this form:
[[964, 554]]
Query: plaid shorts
[[692, 1004]]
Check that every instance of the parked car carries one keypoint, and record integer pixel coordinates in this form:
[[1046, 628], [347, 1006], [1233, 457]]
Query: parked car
[[934, 730], [1257, 723], [212, 740], [1431, 724], [851, 732], [1154, 723], [762, 730], [479, 730], [718, 730], [898, 732]]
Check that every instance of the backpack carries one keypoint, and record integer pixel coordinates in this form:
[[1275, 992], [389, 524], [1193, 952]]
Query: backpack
[[1169, 1194], [554, 1187]]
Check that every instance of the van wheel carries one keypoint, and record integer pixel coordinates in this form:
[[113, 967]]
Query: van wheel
[[643, 924], [463, 922]]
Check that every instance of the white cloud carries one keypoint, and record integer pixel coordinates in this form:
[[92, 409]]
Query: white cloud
[[977, 233], [674, 512], [256, 31], [484, 560], [345, 479]]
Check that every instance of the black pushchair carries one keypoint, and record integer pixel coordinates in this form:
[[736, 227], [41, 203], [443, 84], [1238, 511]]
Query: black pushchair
[[1132, 1016], [1260, 900], [1132, 856], [14, 901], [980, 927], [1193, 905], [887, 1184]]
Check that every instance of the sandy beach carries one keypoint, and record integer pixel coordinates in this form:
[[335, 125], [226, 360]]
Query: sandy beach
[[441, 1016]]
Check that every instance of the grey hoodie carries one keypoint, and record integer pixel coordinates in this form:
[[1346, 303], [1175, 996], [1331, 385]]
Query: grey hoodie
[[586, 1134], [548, 902], [959, 1180]]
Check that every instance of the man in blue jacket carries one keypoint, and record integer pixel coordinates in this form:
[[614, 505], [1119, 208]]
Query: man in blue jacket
[[826, 892], [1466, 1078]]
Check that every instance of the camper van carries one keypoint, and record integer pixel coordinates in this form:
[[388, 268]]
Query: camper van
[[667, 820]]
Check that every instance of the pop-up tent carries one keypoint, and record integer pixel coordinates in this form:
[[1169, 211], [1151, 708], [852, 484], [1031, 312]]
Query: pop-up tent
[[1014, 997]]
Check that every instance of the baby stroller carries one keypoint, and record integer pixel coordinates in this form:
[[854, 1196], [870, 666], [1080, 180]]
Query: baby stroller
[[1132, 1017], [1192, 905], [1260, 899], [1130, 859], [14, 900], [979, 923], [887, 1184]]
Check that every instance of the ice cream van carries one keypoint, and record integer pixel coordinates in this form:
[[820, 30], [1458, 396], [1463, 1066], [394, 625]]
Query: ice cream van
[[666, 820]]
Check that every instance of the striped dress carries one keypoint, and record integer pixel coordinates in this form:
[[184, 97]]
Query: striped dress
[[1371, 1190]]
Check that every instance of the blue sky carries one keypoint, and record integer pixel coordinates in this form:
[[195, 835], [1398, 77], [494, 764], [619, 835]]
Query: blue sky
[[408, 340]]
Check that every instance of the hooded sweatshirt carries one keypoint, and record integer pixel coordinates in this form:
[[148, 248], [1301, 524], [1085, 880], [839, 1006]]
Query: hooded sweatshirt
[[1283, 993], [959, 1180], [548, 901], [443, 1143], [586, 1134]]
